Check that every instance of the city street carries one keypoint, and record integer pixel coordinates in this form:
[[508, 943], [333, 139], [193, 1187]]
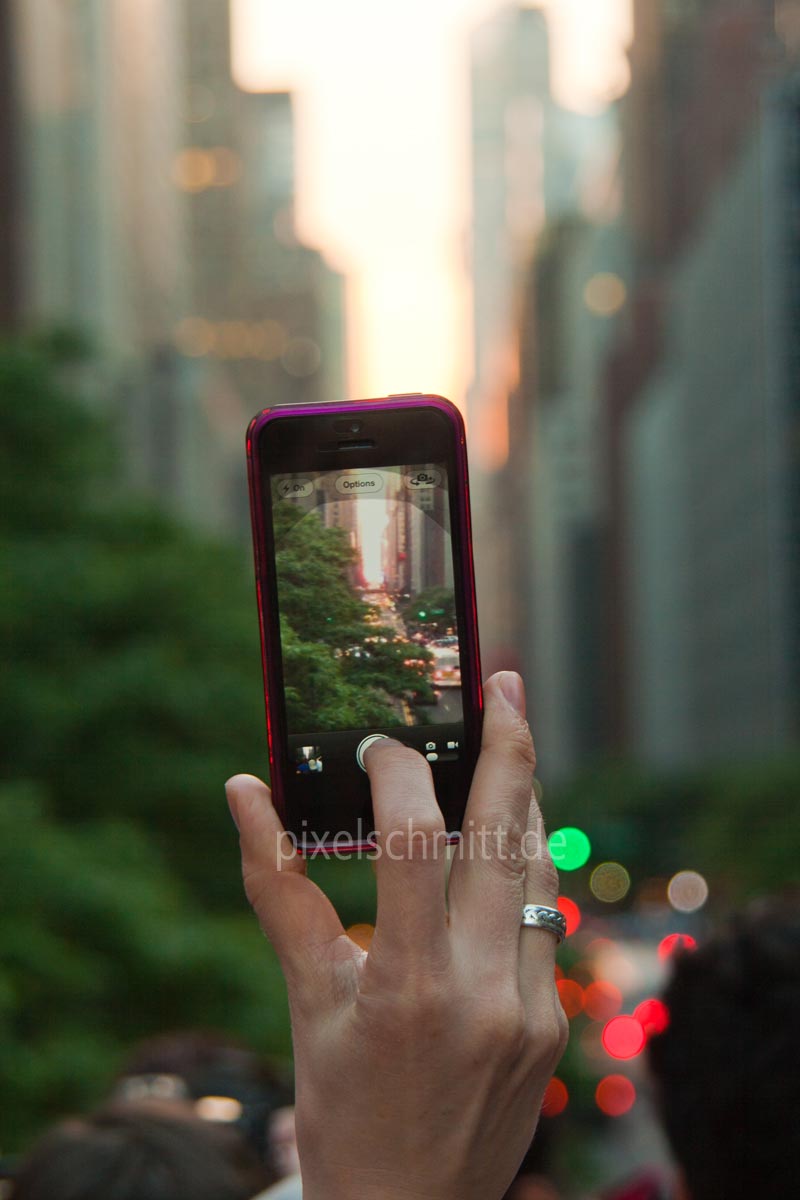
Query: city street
[[448, 709]]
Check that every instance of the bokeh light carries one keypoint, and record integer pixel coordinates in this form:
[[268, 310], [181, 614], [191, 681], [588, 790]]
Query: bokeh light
[[193, 169], [623, 1037], [224, 1109], [569, 848], [673, 942], [270, 340], [194, 337], [615, 1095], [653, 1016], [233, 339], [602, 1000], [687, 891], [570, 994], [610, 882], [605, 294], [361, 935], [556, 1098], [571, 913]]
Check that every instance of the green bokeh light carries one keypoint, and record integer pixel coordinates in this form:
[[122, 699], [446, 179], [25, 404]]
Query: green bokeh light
[[569, 847]]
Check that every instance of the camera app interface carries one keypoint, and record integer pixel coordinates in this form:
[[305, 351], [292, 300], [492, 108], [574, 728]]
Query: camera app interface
[[369, 634]]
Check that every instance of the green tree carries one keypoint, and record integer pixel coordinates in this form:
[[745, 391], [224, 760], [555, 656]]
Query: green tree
[[131, 678], [101, 944], [399, 666], [130, 691], [318, 694], [342, 669], [314, 564]]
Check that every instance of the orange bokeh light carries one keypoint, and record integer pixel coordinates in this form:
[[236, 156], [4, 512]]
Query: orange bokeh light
[[361, 935], [556, 1098], [615, 1095], [570, 994], [602, 1000]]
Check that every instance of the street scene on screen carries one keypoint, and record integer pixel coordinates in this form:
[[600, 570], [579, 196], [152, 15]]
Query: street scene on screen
[[369, 633]]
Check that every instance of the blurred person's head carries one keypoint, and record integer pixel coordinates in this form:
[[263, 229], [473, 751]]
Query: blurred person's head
[[215, 1076], [130, 1152], [726, 1066]]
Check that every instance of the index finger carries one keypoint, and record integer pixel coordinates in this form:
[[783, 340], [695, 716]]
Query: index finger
[[297, 917], [411, 853]]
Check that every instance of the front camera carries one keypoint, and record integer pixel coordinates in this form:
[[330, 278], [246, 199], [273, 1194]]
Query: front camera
[[348, 425]]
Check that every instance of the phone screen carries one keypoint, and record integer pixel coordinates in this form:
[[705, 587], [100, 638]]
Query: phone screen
[[367, 607]]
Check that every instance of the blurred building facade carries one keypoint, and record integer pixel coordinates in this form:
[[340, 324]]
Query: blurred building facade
[[652, 461], [701, 592], [157, 200], [710, 474], [529, 161]]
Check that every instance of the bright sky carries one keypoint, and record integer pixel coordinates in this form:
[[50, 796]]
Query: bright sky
[[382, 156]]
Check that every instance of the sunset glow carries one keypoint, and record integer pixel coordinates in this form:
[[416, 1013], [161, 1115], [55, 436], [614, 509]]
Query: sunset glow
[[382, 109]]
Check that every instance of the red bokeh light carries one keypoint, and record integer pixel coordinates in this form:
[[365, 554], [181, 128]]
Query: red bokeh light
[[570, 994], [615, 1095], [602, 1000], [571, 912], [675, 941], [623, 1037], [653, 1016], [556, 1098]]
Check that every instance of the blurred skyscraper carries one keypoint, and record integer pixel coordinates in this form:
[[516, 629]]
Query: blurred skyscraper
[[157, 201], [703, 590], [711, 474], [657, 580], [531, 162]]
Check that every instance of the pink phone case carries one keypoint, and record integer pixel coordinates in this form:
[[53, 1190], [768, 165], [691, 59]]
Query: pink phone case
[[468, 638]]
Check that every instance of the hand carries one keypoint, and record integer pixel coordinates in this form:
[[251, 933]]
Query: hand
[[421, 1065]]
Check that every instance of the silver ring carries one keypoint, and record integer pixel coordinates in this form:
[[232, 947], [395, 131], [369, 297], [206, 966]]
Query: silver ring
[[539, 916]]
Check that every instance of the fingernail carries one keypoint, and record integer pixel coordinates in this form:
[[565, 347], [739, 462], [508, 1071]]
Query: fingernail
[[513, 689], [230, 796], [383, 741]]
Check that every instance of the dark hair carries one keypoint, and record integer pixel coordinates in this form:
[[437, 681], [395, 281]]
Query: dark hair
[[135, 1153], [210, 1063], [726, 1066]]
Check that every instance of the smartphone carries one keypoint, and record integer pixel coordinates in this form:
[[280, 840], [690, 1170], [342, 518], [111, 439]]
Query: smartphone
[[366, 603]]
